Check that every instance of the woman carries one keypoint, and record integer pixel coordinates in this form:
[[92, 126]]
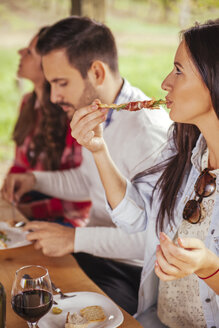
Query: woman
[[43, 142], [176, 201]]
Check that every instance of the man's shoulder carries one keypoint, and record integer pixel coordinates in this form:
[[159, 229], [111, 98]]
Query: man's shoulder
[[145, 118], [131, 93], [141, 120]]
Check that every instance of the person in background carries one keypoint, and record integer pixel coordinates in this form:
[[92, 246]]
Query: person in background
[[41, 146], [176, 201], [79, 58]]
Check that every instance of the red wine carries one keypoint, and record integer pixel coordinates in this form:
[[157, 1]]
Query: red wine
[[32, 304]]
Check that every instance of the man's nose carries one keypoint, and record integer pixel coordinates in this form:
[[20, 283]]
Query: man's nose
[[55, 97]]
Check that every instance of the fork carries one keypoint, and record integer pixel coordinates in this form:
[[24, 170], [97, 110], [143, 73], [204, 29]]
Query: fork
[[20, 224], [58, 290], [13, 210]]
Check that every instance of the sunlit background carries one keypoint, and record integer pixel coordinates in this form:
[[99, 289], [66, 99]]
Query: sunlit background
[[146, 32]]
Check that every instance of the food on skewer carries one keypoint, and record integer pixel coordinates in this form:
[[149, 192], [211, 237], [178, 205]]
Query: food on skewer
[[136, 105]]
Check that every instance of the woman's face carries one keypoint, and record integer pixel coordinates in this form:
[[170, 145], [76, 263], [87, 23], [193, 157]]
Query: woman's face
[[188, 97], [30, 63]]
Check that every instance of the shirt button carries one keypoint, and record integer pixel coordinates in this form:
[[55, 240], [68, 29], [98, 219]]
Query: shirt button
[[212, 231], [208, 300]]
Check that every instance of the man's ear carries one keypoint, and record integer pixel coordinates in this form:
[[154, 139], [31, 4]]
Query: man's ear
[[97, 73]]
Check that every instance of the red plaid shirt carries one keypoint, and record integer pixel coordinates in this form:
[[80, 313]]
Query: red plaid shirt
[[52, 209]]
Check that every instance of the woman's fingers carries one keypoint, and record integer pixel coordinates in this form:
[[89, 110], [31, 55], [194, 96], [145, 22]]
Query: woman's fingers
[[165, 266], [171, 251], [84, 121], [88, 123], [162, 275], [188, 256], [190, 243], [8, 188], [86, 112], [86, 126]]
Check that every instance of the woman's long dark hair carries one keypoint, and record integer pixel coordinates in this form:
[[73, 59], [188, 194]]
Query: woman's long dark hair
[[202, 42], [50, 139]]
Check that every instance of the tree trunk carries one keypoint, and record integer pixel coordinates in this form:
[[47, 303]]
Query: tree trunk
[[91, 8], [184, 14], [76, 7]]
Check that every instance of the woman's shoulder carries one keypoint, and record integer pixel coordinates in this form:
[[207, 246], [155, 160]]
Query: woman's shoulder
[[25, 99]]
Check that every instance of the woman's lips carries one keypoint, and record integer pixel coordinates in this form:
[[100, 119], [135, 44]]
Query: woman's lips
[[168, 103]]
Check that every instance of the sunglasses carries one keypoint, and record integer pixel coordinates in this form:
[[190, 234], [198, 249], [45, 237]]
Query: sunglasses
[[205, 186]]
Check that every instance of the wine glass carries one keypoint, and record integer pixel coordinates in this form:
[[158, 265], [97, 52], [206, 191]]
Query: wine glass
[[31, 295]]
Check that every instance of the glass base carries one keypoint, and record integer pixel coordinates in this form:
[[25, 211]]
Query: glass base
[[32, 325]]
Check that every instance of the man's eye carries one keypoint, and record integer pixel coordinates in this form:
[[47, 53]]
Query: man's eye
[[63, 84]]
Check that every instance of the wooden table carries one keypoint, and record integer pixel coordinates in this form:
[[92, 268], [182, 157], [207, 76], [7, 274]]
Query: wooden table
[[64, 271]]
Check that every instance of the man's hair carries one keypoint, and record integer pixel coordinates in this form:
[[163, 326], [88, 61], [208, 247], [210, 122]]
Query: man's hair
[[84, 41]]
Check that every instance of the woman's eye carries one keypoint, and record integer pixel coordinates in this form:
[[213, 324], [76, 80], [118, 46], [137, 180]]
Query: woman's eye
[[178, 71]]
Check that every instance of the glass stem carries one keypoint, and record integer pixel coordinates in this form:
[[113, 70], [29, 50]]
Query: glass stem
[[32, 325]]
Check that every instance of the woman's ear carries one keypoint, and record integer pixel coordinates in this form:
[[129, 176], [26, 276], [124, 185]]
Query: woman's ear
[[97, 73]]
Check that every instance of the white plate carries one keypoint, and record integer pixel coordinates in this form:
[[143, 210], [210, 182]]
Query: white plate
[[16, 236], [114, 316]]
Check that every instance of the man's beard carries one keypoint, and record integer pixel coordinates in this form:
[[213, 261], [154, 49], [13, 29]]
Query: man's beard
[[88, 96]]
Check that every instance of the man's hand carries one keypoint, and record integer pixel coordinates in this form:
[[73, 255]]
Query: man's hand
[[15, 185], [52, 238], [86, 126]]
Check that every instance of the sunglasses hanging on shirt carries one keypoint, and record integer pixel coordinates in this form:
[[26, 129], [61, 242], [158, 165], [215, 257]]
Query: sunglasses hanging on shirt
[[205, 186]]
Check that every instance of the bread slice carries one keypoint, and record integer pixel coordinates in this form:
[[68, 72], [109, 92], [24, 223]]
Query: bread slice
[[75, 320], [93, 313]]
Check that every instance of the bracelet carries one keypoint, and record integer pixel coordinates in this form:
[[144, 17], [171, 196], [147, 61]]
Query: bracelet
[[210, 275]]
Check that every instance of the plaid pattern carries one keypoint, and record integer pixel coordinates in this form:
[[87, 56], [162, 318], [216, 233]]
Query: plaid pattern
[[42, 206]]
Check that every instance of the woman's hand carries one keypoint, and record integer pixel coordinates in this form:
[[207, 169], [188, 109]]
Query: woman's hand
[[87, 130], [86, 126], [189, 256], [17, 184]]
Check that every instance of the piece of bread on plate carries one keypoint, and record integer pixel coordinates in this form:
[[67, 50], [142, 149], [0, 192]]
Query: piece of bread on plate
[[93, 313], [75, 320]]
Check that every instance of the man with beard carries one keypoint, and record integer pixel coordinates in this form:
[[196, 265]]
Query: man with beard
[[79, 59]]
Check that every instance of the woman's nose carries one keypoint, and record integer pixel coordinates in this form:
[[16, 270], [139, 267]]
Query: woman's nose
[[21, 51], [166, 84]]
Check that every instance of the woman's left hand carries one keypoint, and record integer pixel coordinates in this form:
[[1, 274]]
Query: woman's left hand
[[177, 261]]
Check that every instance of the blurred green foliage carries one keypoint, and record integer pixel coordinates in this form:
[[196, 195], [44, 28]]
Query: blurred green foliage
[[8, 100], [146, 44]]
